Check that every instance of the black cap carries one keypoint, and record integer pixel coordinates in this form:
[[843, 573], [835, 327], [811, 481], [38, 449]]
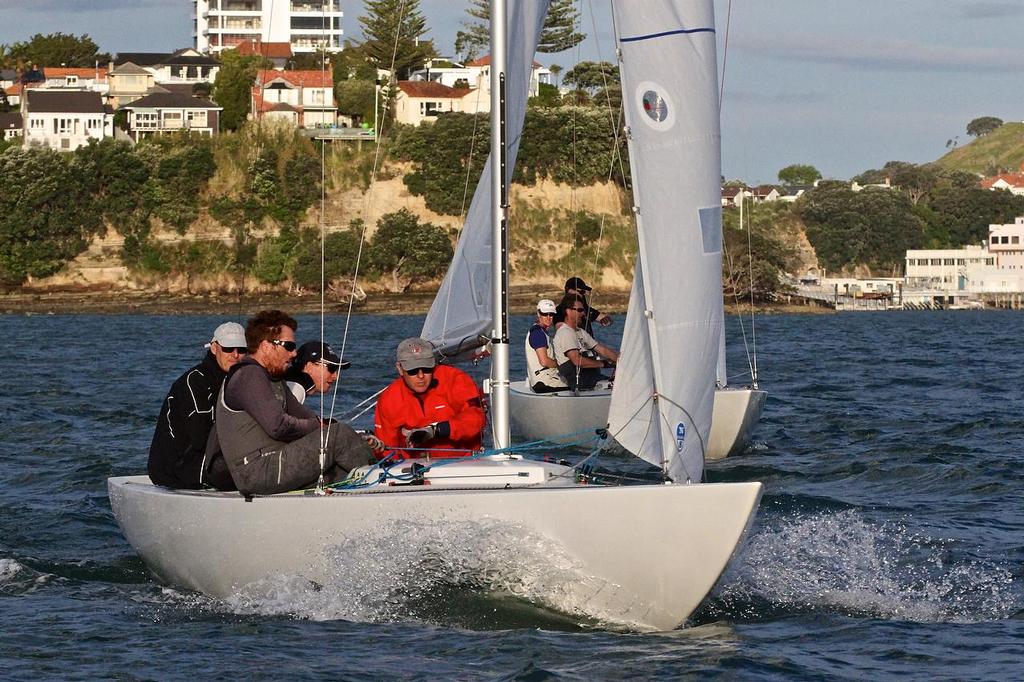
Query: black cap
[[315, 351], [577, 284]]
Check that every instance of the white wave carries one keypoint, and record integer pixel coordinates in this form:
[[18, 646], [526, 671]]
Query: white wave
[[9, 568], [380, 578], [840, 561]]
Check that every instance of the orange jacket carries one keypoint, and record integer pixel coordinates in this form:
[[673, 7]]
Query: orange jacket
[[452, 397]]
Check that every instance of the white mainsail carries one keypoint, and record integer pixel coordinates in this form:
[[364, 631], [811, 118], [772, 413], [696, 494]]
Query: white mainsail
[[461, 311], [665, 382]]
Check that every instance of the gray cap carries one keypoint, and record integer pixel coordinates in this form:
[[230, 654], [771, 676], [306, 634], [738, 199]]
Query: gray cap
[[546, 305], [230, 335], [415, 353]]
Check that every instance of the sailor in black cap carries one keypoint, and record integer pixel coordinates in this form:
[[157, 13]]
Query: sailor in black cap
[[575, 286], [314, 370]]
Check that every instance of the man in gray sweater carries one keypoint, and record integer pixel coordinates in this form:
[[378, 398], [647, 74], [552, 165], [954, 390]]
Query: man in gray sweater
[[270, 441]]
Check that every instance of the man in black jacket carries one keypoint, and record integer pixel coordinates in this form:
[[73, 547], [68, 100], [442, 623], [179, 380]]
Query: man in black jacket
[[177, 454]]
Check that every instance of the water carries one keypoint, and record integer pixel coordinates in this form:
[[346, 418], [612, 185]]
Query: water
[[890, 540]]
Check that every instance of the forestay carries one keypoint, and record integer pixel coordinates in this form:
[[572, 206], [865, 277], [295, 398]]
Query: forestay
[[461, 311], [664, 389]]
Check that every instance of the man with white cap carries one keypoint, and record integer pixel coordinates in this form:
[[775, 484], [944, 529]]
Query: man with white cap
[[541, 369], [177, 453], [435, 410]]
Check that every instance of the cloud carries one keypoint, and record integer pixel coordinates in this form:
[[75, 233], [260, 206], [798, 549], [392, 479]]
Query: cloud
[[886, 55], [76, 6], [991, 10]]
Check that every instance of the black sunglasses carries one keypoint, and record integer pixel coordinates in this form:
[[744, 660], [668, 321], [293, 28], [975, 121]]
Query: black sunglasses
[[241, 350], [418, 371], [579, 310], [287, 345]]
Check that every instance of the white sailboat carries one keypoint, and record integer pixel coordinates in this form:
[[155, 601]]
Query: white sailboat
[[643, 556], [564, 416]]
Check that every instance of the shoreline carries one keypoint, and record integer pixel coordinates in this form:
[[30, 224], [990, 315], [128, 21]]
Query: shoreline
[[521, 301]]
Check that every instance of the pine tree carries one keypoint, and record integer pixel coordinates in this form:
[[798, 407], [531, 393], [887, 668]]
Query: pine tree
[[394, 29], [559, 32]]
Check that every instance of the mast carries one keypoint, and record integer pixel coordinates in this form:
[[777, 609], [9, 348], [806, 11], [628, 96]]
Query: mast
[[499, 241]]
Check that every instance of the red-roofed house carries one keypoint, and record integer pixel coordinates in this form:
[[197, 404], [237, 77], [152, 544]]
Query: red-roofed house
[[94, 79], [277, 53], [419, 101], [1009, 181], [305, 98]]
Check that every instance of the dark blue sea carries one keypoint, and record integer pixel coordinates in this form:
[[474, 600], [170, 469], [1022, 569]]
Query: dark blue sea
[[889, 543]]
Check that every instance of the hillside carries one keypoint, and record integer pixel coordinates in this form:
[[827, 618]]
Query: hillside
[[1001, 149]]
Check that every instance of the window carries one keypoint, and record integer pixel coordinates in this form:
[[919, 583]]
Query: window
[[145, 120], [947, 261], [196, 119], [936, 261], [990, 261], [172, 119], [960, 261], [1015, 239]]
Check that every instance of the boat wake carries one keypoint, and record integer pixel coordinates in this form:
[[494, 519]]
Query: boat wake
[[481, 574], [841, 562], [18, 579]]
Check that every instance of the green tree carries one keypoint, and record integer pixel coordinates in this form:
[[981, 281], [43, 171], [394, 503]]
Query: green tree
[[559, 33], [592, 76], [47, 212], [407, 251], [980, 127], [873, 227], [393, 31], [915, 180], [58, 49], [339, 257], [799, 174], [356, 98], [352, 63], [555, 70], [232, 88]]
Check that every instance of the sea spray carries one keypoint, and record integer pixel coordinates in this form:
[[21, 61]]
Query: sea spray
[[841, 562], [407, 568]]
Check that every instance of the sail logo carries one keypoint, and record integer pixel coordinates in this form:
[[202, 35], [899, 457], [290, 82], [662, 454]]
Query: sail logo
[[656, 105], [680, 436]]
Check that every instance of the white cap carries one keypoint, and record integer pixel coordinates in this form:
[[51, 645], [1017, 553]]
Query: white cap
[[230, 335], [546, 305]]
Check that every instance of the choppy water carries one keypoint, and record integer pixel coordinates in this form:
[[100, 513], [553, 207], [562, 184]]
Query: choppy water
[[890, 539]]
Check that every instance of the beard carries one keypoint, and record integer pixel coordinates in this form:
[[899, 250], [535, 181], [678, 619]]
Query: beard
[[276, 368]]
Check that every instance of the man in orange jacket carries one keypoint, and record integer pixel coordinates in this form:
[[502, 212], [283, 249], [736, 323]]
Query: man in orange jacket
[[434, 410]]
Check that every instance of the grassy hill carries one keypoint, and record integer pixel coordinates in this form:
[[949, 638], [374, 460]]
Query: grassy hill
[[1002, 149]]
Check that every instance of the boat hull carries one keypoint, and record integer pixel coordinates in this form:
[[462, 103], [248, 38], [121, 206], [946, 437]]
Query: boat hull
[[551, 416], [645, 556]]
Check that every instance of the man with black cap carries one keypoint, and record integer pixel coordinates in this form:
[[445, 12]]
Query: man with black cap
[[314, 370], [177, 453], [575, 286], [430, 407]]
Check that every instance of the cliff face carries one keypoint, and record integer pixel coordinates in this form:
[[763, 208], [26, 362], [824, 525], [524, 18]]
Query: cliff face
[[541, 219]]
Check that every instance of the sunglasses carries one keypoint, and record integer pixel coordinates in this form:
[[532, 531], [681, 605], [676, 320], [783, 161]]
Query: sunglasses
[[329, 366], [579, 310], [287, 345], [544, 314], [419, 370], [241, 350]]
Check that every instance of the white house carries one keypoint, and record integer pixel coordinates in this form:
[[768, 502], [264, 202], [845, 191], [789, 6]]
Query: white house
[[10, 125], [166, 112], [419, 101], [65, 119], [304, 98], [993, 267], [945, 269], [185, 66], [128, 82], [1013, 182], [474, 74]]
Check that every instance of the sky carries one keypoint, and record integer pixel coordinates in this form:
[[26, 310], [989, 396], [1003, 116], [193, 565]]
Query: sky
[[842, 85]]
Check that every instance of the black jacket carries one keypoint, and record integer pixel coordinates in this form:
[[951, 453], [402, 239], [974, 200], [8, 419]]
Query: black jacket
[[176, 456]]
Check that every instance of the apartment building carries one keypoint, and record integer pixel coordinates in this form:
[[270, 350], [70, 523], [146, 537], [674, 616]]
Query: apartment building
[[307, 25]]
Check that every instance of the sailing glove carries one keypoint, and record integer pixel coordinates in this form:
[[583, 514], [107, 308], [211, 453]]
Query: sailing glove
[[428, 432]]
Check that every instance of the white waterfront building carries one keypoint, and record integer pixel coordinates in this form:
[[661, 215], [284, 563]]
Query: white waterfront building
[[996, 266], [307, 25]]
